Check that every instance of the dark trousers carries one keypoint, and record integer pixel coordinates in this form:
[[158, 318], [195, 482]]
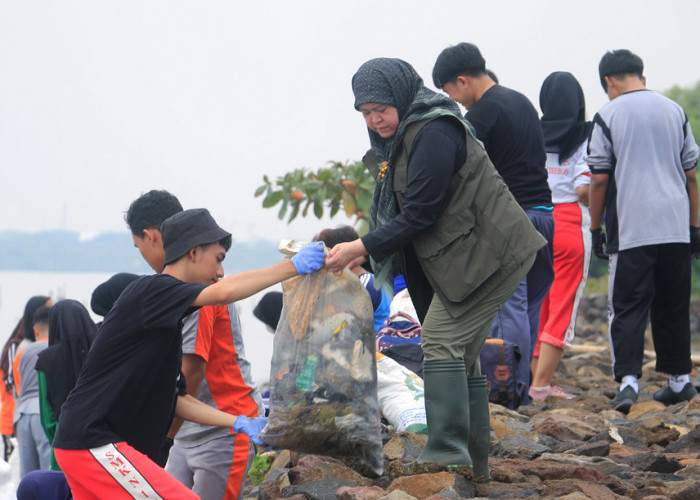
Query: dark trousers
[[519, 319], [650, 281]]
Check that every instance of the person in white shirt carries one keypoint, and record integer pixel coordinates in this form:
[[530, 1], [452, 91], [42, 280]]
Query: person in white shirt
[[566, 138]]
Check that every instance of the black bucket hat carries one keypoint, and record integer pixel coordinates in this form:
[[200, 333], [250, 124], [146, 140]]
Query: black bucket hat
[[188, 229]]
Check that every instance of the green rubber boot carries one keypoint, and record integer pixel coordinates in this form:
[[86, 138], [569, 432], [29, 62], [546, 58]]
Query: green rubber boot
[[479, 426], [447, 413]]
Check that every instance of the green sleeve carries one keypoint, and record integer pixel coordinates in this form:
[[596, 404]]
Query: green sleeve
[[48, 417]]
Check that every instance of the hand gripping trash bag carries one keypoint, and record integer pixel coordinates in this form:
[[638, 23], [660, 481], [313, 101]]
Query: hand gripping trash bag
[[323, 395]]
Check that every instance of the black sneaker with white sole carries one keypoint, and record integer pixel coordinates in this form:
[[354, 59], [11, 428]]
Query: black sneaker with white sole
[[668, 397], [624, 399]]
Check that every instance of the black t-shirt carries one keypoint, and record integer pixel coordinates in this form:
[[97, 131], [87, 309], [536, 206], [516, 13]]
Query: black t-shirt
[[508, 125], [127, 388]]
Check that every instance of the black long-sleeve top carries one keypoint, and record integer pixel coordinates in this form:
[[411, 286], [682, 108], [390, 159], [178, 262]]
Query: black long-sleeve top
[[438, 151]]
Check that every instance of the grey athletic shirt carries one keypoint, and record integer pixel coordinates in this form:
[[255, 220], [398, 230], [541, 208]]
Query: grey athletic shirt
[[644, 142]]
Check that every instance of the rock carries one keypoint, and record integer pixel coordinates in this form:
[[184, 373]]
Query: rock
[[576, 495], [617, 485], [515, 445], [398, 495], [405, 445], [570, 449], [283, 460], [510, 491], [690, 471], [564, 488], [603, 465], [565, 429], [653, 462], [641, 408], [661, 435], [271, 488], [592, 449], [500, 428], [303, 474], [546, 469], [322, 489], [628, 433], [506, 475], [425, 485], [684, 490], [397, 468], [689, 442], [360, 493]]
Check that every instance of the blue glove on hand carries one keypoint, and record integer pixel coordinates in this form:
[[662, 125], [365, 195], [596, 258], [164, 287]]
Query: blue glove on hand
[[250, 426], [310, 258]]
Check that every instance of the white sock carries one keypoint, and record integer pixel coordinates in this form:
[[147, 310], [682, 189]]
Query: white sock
[[545, 388], [629, 380], [677, 382]]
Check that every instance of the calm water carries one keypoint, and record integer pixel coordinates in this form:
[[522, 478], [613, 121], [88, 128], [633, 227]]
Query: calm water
[[16, 287]]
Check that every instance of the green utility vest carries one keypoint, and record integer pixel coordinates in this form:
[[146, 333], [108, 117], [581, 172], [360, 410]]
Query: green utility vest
[[481, 236]]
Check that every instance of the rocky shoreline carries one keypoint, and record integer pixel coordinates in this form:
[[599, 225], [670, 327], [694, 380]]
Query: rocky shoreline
[[569, 449]]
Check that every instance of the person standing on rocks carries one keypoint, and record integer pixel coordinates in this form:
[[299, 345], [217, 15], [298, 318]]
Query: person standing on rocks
[[565, 132], [642, 156], [508, 125], [462, 241]]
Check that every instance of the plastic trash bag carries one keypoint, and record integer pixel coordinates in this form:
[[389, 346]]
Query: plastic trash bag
[[323, 394]]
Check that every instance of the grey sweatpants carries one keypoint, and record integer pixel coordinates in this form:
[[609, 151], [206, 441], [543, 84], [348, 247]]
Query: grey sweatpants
[[215, 469], [33, 445]]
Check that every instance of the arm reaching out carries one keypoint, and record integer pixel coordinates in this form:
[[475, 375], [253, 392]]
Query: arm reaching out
[[242, 285], [343, 254], [192, 409]]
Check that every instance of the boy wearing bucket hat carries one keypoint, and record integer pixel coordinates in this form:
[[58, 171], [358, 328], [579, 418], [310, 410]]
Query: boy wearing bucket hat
[[212, 461], [113, 423]]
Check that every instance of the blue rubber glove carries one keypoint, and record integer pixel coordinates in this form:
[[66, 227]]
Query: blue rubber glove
[[250, 426], [310, 258]]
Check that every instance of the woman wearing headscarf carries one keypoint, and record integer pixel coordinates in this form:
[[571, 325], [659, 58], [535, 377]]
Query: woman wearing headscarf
[[566, 139], [71, 332], [462, 242]]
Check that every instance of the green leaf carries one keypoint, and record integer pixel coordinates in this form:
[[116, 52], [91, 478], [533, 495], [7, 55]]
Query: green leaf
[[349, 204], [306, 208], [260, 190], [283, 209], [272, 199], [318, 209], [295, 212], [364, 200]]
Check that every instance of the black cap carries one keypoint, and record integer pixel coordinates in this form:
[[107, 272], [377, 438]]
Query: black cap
[[106, 294], [269, 309], [188, 229]]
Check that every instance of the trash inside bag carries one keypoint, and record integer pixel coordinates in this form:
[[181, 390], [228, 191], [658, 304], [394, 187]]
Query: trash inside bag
[[323, 396]]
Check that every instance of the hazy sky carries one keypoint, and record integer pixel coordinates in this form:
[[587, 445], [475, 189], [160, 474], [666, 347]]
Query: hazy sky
[[103, 100]]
